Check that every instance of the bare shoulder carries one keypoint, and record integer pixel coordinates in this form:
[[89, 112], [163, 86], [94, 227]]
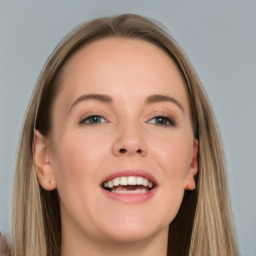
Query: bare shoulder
[[3, 246]]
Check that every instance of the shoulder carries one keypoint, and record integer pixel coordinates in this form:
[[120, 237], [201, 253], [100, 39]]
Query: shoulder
[[3, 246]]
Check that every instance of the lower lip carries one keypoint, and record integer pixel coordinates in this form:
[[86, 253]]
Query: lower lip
[[130, 198]]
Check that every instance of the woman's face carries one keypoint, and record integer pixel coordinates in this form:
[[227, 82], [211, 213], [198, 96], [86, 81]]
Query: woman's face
[[122, 116]]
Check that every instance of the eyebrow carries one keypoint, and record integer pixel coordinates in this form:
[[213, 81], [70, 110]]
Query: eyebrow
[[97, 97], [163, 98], [107, 99]]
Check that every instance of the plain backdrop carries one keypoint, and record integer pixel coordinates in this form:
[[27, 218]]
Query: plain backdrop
[[219, 38]]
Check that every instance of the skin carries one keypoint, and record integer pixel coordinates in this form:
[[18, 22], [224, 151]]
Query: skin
[[77, 156]]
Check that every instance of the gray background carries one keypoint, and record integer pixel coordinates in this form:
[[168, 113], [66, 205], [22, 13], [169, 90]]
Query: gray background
[[218, 36]]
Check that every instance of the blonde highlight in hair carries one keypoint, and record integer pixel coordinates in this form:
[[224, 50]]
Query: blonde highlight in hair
[[203, 225]]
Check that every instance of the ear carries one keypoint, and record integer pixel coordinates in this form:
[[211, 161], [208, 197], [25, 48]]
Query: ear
[[190, 183], [42, 162]]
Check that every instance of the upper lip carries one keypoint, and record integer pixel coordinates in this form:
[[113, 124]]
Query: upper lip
[[131, 172]]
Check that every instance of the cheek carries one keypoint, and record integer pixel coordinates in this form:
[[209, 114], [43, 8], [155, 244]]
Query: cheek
[[77, 152], [174, 156], [75, 160]]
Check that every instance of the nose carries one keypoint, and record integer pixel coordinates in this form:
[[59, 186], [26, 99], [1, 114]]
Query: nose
[[130, 141]]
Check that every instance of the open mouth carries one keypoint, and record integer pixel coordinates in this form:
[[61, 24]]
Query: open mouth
[[129, 185]]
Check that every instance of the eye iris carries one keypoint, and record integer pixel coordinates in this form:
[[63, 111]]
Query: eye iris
[[161, 120], [94, 120]]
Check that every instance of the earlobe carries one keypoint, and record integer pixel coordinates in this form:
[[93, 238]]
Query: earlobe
[[190, 183], [42, 162]]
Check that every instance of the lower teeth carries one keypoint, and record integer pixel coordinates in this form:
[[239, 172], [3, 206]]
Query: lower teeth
[[130, 191]]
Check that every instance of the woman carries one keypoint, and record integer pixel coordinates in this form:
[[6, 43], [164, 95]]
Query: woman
[[120, 154]]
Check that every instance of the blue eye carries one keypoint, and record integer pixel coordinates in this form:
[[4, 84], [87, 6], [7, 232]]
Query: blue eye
[[93, 120], [162, 121]]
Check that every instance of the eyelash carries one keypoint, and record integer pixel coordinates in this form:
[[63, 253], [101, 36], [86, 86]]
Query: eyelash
[[167, 121], [87, 120], [164, 121]]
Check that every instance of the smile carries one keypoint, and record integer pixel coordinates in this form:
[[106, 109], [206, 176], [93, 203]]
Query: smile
[[129, 185], [133, 186]]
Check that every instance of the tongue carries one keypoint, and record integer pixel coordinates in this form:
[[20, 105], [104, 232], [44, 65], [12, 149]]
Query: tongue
[[129, 188]]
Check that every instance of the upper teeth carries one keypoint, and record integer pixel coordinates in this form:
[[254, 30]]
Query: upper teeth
[[130, 180]]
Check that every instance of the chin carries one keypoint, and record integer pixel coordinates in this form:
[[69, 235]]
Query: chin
[[131, 234], [133, 229]]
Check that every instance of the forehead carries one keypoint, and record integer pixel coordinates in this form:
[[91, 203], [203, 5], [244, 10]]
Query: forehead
[[118, 66]]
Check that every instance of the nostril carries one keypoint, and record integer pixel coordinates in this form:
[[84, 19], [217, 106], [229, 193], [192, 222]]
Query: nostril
[[123, 150]]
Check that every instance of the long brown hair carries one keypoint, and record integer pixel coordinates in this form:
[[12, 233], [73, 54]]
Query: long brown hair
[[203, 224]]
